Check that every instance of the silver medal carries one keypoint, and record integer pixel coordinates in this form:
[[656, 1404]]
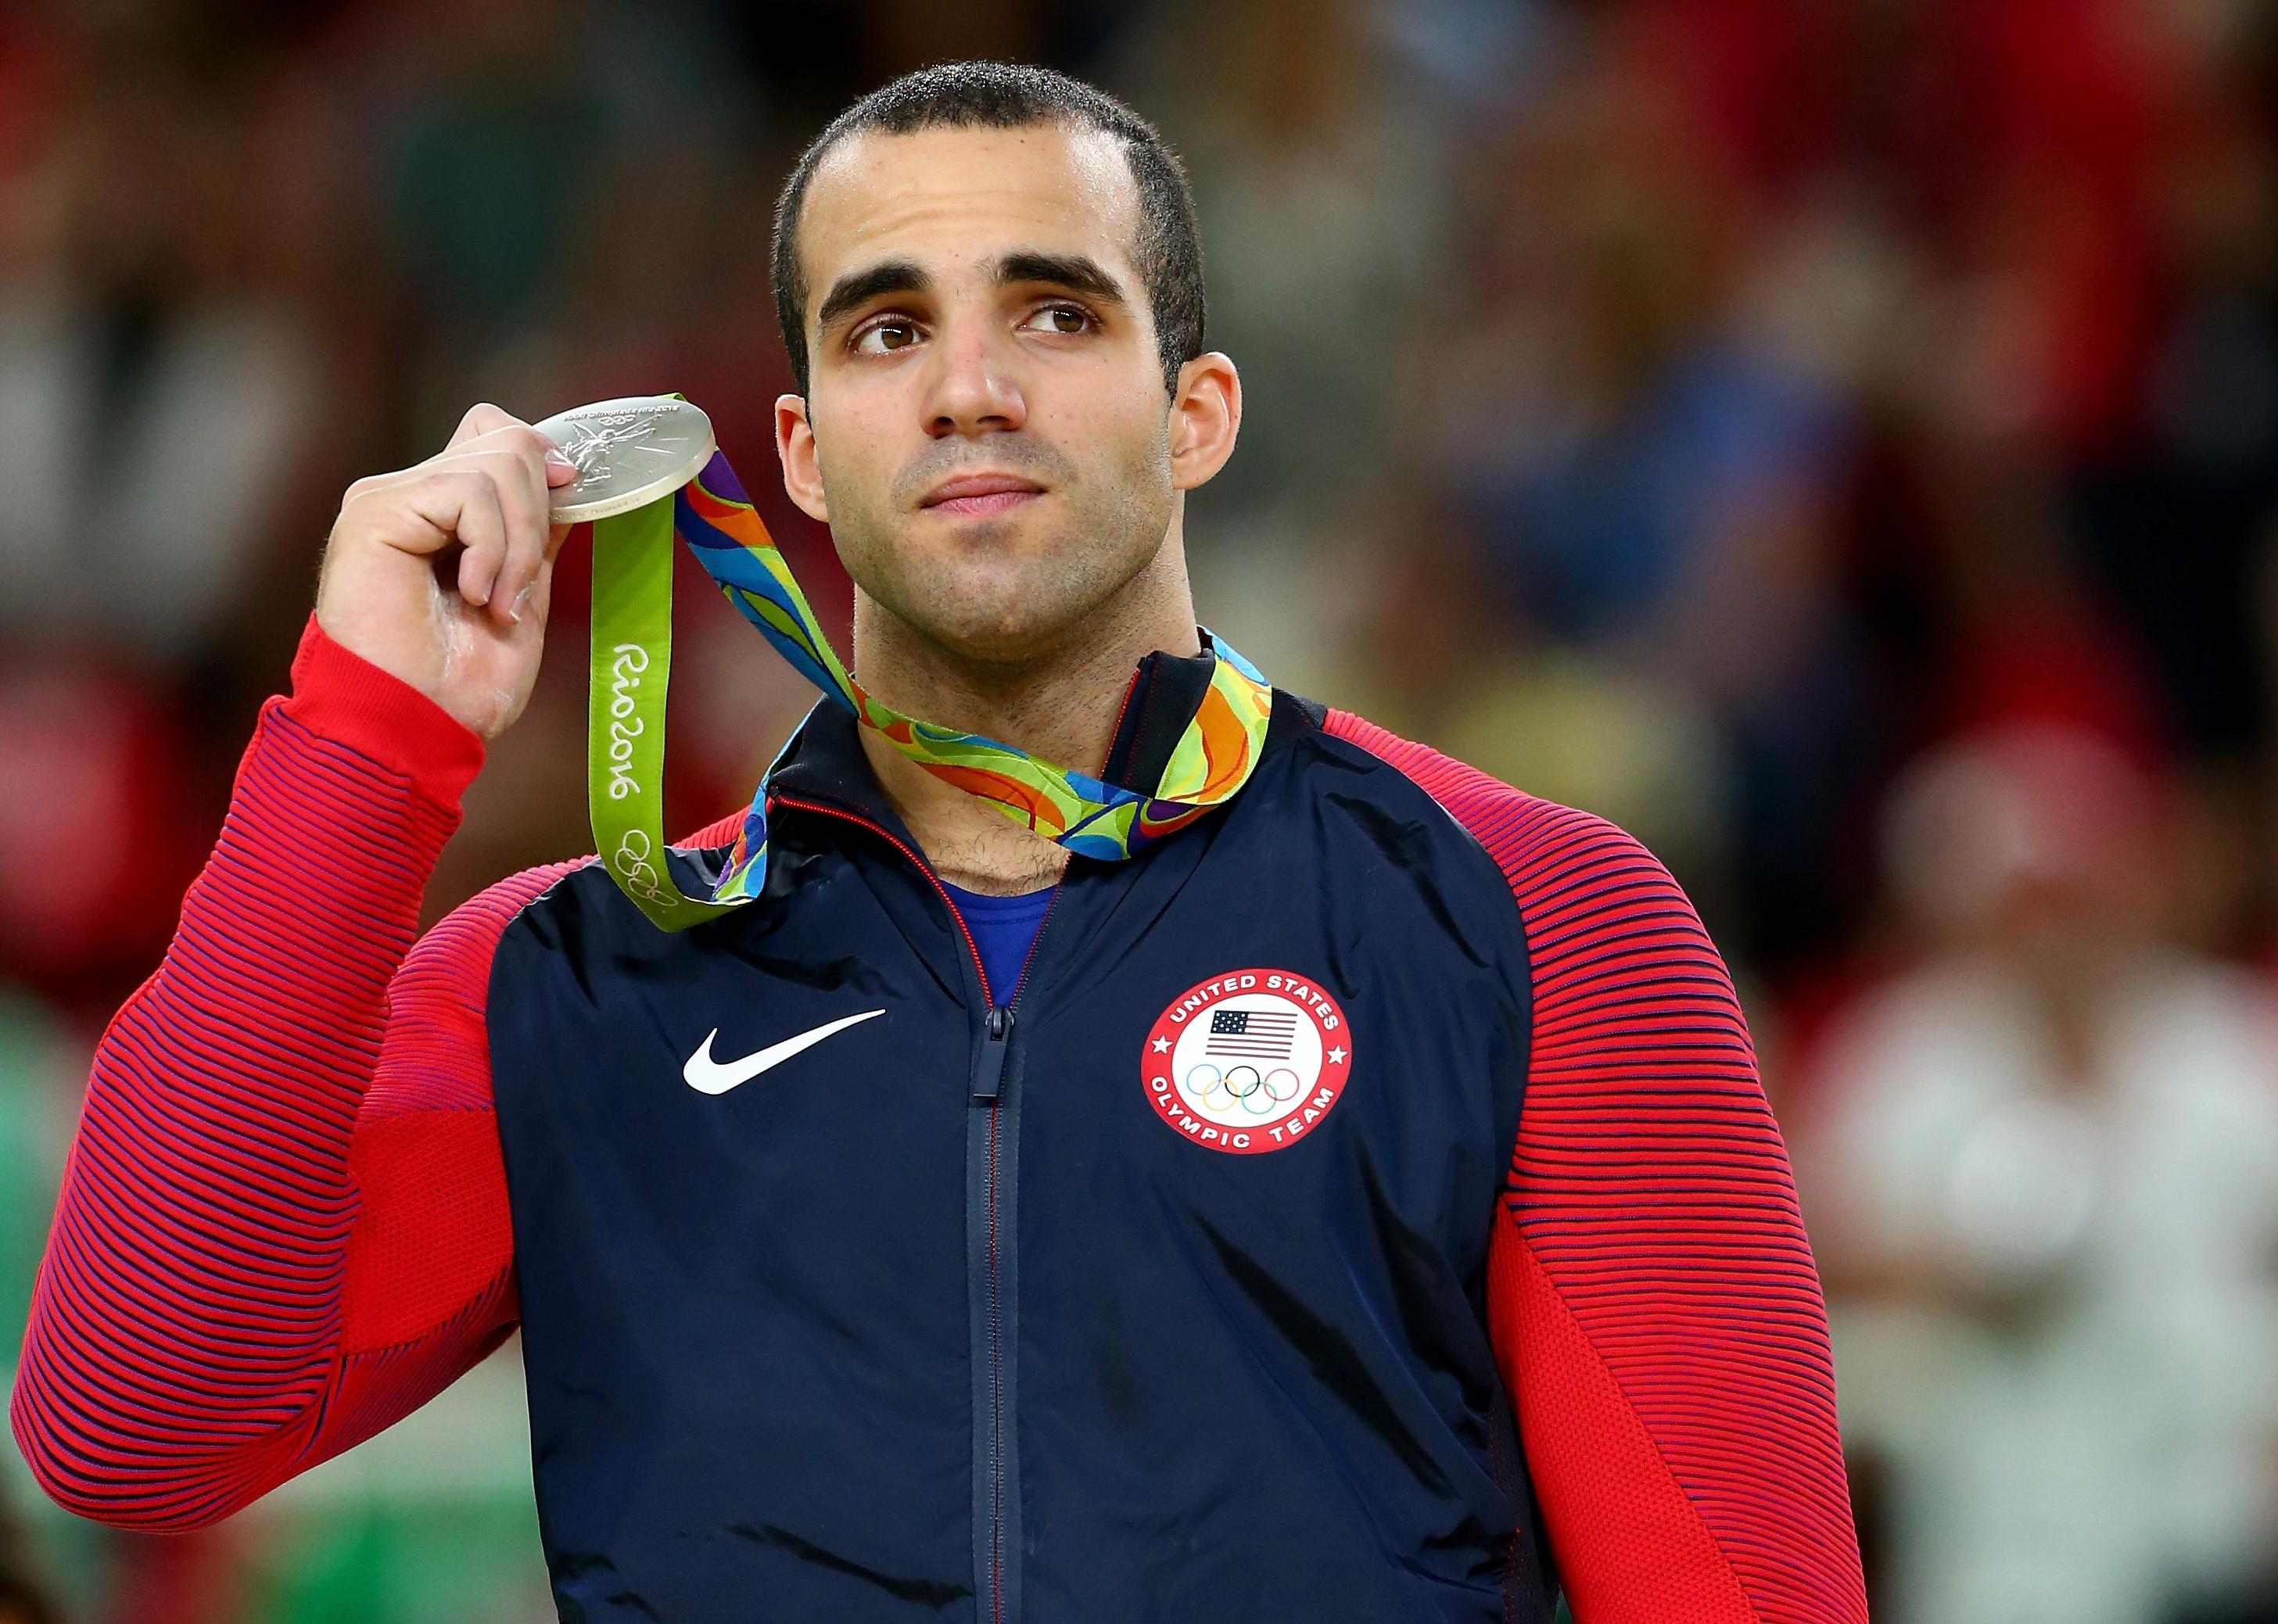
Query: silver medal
[[627, 452]]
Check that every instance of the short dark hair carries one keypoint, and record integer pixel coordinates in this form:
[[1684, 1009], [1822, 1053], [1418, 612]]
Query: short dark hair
[[1001, 95]]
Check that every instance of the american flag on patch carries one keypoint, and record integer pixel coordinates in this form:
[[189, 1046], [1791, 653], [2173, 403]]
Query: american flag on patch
[[1252, 1034]]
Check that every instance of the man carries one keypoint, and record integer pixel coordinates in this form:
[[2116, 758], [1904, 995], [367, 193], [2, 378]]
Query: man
[[1357, 1204]]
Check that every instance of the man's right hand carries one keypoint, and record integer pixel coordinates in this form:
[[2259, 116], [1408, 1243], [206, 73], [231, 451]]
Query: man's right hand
[[440, 573]]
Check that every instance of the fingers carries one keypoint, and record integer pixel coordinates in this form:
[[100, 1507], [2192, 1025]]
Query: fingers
[[519, 470], [465, 506], [480, 419], [534, 598], [523, 466], [471, 505], [490, 489]]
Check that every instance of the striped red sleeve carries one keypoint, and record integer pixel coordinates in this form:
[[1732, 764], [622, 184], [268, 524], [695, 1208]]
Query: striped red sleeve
[[283, 1222], [1656, 1310]]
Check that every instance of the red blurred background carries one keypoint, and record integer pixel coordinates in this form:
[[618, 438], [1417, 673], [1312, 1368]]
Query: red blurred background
[[1838, 442]]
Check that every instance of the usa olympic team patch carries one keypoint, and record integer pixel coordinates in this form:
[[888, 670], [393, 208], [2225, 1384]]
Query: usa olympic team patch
[[1248, 1062]]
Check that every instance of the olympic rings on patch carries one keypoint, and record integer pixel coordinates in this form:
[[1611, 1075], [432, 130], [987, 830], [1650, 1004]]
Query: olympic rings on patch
[[1242, 1086]]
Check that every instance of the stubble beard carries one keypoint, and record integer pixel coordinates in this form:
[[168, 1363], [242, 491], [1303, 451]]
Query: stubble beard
[[977, 605]]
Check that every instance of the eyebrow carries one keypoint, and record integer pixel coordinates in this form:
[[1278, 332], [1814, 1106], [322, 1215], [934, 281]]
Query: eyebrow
[[858, 287], [1079, 273]]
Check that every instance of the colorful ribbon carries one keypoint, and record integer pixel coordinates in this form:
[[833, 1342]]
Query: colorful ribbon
[[631, 654]]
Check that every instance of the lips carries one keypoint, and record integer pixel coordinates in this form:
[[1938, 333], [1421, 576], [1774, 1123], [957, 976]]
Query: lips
[[981, 493]]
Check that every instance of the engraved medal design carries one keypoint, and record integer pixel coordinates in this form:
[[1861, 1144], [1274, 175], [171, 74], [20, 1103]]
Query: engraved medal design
[[630, 451]]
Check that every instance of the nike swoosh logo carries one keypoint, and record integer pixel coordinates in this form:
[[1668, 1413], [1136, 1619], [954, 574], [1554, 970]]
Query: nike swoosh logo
[[706, 1075]]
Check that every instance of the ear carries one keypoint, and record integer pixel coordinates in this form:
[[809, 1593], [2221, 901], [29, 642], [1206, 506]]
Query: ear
[[1205, 415], [795, 448]]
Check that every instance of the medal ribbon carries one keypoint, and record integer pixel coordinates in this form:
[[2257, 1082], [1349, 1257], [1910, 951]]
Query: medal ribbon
[[631, 655]]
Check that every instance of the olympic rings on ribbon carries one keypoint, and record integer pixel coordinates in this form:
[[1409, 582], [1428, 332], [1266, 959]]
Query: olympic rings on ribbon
[[639, 876]]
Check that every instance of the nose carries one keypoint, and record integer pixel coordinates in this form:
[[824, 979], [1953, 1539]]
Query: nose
[[972, 386]]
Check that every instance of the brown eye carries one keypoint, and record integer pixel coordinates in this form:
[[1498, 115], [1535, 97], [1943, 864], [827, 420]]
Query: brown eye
[[1067, 320], [885, 337]]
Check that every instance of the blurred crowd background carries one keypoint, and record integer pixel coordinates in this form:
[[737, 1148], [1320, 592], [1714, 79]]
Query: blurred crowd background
[[1839, 441]]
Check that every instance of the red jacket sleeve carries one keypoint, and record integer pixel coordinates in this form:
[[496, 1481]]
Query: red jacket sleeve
[[283, 1222], [1655, 1307]]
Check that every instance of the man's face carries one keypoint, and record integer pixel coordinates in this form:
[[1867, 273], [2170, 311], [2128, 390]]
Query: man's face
[[985, 429]]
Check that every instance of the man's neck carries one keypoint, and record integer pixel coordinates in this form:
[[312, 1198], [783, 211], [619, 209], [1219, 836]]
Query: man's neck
[[1059, 704]]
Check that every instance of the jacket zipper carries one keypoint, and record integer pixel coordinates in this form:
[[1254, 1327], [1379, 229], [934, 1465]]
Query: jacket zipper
[[1003, 1188], [989, 1071]]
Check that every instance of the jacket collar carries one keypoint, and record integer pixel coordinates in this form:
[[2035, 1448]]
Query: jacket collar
[[824, 760]]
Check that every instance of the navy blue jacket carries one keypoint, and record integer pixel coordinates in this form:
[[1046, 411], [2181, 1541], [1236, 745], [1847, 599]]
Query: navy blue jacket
[[943, 1317], [1363, 1207]]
